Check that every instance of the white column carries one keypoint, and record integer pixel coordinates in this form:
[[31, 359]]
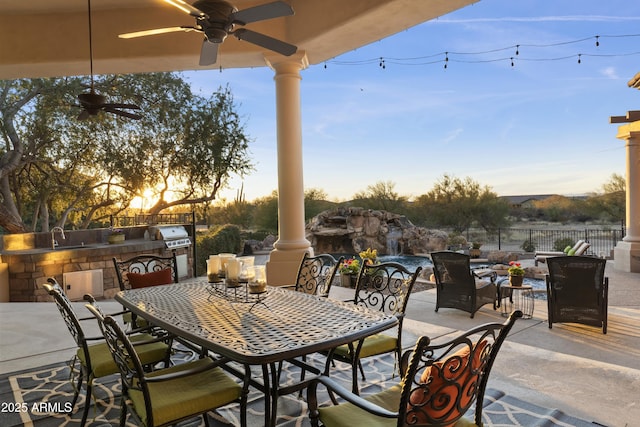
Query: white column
[[627, 251], [291, 245]]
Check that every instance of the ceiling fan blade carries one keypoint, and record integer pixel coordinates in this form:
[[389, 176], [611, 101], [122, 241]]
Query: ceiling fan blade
[[208, 53], [187, 8], [265, 41], [272, 10], [157, 31], [123, 113], [129, 106]]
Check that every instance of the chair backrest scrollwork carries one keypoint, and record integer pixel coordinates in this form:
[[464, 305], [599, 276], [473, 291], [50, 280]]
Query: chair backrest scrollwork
[[316, 274], [385, 287], [143, 264], [442, 381]]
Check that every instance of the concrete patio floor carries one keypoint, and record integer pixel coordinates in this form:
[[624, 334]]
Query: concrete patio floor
[[572, 367]]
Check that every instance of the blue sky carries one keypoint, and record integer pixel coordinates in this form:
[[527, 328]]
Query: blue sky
[[540, 126]]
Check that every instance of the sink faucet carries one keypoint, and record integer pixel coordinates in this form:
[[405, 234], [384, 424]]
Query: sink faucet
[[54, 242]]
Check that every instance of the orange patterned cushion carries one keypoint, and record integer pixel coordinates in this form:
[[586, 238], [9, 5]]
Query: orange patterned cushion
[[155, 278], [451, 388]]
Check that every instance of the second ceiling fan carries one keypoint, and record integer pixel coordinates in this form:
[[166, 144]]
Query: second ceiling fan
[[217, 19]]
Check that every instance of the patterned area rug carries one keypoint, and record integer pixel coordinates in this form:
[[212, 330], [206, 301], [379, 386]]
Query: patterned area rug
[[40, 397]]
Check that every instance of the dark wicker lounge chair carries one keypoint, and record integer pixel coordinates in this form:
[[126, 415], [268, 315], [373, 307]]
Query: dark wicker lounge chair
[[457, 286], [577, 291], [440, 384]]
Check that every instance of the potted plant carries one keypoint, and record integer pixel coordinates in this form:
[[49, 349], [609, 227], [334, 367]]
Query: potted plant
[[516, 273], [116, 235], [348, 270], [475, 252], [370, 256]]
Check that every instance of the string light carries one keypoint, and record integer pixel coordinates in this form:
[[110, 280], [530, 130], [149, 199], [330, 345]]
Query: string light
[[437, 57]]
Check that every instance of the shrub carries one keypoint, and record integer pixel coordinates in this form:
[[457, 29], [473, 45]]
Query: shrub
[[562, 243], [225, 238], [529, 246], [456, 241]]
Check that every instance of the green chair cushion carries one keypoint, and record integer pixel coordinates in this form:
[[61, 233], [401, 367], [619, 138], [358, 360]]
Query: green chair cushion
[[102, 362], [349, 415], [373, 345], [140, 322], [187, 396]]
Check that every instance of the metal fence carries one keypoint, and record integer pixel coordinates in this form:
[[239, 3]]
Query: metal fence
[[152, 219], [602, 240]]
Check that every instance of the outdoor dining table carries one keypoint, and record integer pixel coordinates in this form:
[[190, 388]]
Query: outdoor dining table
[[262, 329]]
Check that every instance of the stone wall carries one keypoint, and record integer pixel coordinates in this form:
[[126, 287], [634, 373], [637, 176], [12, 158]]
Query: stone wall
[[353, 229]]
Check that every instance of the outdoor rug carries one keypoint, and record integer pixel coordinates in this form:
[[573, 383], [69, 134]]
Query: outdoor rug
[[38, 397]]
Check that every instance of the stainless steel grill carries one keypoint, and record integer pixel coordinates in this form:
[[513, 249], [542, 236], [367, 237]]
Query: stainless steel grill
[[174, 236]]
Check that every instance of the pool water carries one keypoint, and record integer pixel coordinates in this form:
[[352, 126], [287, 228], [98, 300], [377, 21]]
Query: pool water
[[410, 261]]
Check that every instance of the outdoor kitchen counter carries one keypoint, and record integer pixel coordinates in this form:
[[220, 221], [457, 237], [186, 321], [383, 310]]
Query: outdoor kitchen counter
[[28, 269], [133, 245]]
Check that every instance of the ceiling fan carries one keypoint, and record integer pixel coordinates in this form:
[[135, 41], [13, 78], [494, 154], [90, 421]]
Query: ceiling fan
[[217, 19], [92, 103]]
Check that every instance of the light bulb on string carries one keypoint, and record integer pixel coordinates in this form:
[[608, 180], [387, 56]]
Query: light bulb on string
[[597, 41], [446, 59], [381, 64], [512, 61], [579, 60], [517, 49]]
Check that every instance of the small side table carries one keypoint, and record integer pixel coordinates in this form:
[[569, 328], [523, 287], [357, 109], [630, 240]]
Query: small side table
[[517, 298]]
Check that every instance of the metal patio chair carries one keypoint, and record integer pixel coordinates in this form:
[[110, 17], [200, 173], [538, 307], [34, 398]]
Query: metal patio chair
[[93, 356], [440, 383], [167, 396], [316, 274], [385, 287]]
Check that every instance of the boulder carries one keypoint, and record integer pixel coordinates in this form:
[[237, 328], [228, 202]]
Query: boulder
[[501, 257]]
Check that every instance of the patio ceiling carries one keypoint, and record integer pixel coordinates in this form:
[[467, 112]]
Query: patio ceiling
[[49, 38]]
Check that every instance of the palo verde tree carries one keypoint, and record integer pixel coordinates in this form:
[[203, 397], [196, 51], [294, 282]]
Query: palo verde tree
[[459, 204], [611, 201], [382, 196]]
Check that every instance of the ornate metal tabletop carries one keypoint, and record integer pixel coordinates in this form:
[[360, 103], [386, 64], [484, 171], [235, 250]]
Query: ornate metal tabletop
[[283, 325]]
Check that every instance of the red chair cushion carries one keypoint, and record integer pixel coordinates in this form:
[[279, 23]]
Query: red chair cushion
[[155, 278]]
